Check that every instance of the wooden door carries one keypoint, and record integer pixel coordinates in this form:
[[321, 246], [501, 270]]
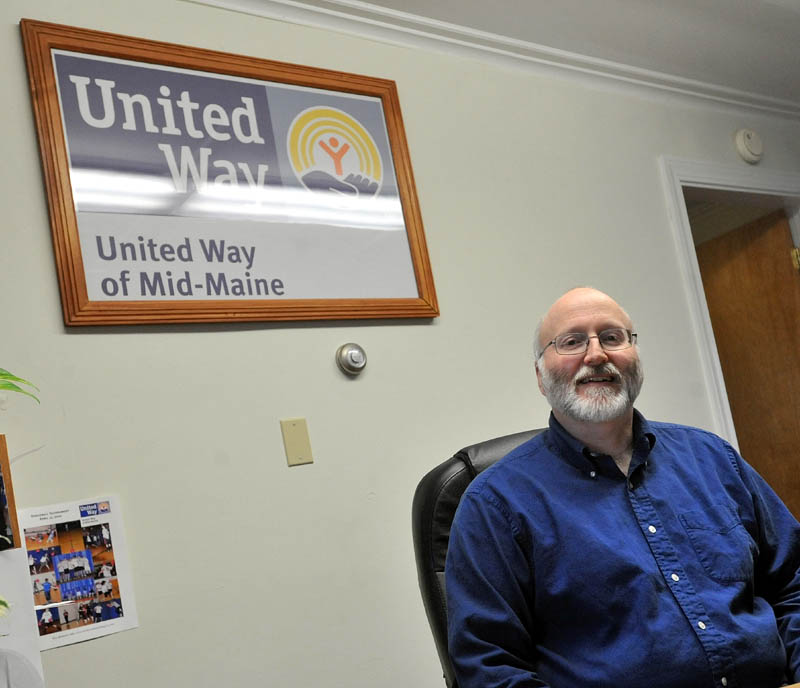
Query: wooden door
[[753, 295]]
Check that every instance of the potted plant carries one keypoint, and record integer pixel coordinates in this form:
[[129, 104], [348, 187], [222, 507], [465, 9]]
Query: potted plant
[[11, 383]]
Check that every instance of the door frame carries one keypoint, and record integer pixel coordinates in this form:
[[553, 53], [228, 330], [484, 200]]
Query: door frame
[[677, 173]]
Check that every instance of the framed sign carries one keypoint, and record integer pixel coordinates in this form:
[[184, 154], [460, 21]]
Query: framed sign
[[186, 185]]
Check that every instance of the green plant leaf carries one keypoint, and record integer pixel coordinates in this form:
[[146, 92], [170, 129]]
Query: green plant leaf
[[11, 387], [5, 375]]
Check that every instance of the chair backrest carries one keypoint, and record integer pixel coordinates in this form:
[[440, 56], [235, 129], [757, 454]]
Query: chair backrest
[[434, 506]]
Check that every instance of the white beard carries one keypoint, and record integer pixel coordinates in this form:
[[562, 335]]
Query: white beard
[[597, 404]]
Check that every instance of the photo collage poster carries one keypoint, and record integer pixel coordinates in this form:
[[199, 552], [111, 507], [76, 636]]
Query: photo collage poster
[[79, 571]]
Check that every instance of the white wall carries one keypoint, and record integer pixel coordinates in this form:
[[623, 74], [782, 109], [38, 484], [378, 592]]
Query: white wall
[[251, 573]]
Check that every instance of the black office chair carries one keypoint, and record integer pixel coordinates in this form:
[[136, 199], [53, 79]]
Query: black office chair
[[434, 506]]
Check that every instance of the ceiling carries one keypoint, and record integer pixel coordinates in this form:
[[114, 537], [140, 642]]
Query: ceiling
[[713, 212], [741, 51], [750, 45]]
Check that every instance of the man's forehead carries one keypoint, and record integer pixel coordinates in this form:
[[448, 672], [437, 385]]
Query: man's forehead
[[583, 307]]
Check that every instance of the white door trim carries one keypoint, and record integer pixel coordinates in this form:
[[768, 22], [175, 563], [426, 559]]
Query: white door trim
[[677, 173]]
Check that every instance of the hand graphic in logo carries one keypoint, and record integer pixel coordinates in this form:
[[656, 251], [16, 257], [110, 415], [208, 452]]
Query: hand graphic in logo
[[352, 185]]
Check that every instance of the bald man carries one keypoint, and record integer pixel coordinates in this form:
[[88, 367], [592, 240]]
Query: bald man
[[610, 551]]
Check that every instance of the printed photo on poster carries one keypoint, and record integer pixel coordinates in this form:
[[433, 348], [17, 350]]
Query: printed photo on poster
[[78, 568], [194, 185]]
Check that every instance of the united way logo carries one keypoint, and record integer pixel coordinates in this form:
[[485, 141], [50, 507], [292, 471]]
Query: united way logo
[[331, 151], [94, 509]]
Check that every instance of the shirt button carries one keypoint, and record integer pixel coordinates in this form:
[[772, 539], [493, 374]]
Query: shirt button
[[592, 474], [652, 529], [675, 577], [701, 625], [724, 681]]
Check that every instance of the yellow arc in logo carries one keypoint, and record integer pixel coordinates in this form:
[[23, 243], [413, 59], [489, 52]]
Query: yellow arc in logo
[[310, 129]]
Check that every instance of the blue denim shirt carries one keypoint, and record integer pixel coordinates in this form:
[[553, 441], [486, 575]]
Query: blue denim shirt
[[563, 572]]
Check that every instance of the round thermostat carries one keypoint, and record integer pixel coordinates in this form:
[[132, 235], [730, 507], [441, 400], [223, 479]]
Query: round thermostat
[[351, 358], [749, 145]]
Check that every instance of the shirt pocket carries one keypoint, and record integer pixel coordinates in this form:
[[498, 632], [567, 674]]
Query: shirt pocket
[[721, 542]]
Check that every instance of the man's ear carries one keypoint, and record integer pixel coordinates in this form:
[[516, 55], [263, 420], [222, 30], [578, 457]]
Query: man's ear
[[539, 378]]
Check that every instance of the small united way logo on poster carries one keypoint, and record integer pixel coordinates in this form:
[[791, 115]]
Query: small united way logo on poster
[[332, 151], [94, 509]]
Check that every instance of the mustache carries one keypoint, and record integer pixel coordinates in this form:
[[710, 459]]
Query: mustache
[[607, 371]]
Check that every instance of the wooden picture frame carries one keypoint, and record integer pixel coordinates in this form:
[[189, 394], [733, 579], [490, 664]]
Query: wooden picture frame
[[8, 507], [187, 185]]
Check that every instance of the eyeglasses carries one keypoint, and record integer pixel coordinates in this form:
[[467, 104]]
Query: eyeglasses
[[573, 343]]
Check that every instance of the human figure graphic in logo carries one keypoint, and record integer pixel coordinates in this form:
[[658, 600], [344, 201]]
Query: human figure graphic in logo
[[331, 151], [335, 151]]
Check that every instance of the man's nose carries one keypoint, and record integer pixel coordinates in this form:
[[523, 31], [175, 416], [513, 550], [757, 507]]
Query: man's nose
[[595, 354]]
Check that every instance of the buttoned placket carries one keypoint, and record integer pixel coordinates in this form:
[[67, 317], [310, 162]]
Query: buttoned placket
[[666, 557]]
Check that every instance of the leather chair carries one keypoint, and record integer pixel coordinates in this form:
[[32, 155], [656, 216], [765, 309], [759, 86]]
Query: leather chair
[[434, 506]]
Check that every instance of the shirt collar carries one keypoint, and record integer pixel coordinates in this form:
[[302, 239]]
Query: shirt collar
[[574, 452]]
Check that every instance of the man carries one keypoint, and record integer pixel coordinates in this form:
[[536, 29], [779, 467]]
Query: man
[[63, 563], [47, 618], [98, 611], [613, 551], [117, 606]]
